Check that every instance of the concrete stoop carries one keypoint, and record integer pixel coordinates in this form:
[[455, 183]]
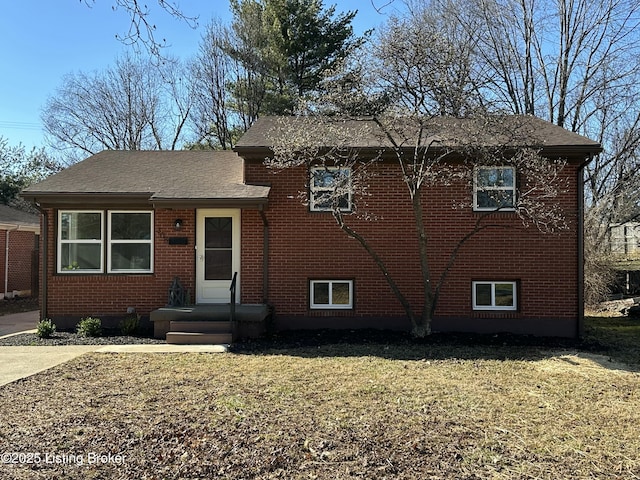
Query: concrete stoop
[[197, 338], [209, 324], [200, 332]]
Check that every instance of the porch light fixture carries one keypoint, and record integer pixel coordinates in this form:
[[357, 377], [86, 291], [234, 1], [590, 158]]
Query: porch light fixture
[[178, 223]]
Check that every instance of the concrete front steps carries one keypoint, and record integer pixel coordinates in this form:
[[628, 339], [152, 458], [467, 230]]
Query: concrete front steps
[[199, 332], [209, 324]]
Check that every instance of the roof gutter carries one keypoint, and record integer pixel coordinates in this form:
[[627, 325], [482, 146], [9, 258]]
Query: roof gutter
[[23, 227], [254, 203], [85, 200], [142, 200]]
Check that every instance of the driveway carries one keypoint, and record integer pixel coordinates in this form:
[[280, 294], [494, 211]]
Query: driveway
[[18, 322]]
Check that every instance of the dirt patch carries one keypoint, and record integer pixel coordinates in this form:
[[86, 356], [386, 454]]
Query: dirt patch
[[584, 362]]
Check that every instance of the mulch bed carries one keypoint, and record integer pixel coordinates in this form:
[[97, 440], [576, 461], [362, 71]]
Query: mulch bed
[[71, 338]]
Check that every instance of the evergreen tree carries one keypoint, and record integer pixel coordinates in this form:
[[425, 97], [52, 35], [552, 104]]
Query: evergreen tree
[[286, 46]]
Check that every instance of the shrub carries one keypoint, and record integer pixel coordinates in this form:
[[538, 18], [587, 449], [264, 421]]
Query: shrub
[[129, 325], [90, 327], [45, 328]]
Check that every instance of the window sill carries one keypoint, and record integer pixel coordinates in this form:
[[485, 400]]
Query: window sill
[[496, 314], [494, 210]]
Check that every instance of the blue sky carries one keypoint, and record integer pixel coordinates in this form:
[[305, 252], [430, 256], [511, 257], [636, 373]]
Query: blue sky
[[42, 40]]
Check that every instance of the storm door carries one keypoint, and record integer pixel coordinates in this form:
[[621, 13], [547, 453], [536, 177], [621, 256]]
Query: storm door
[[217, 254]]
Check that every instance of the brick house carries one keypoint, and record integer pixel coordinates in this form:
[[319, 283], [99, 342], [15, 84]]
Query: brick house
[[19, 232], [119, 226]]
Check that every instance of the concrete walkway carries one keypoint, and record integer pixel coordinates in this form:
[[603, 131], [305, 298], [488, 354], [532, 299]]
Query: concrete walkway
[[22, 362]]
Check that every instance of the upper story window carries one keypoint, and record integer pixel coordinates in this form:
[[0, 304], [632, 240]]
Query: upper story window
[[330, 186], [84, 247], [494, 188]]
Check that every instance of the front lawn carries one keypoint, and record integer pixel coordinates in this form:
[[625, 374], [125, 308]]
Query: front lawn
[[619, 337], [328, 411]]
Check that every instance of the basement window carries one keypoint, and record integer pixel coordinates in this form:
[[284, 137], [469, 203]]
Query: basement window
[[499, 295], [331, 294]]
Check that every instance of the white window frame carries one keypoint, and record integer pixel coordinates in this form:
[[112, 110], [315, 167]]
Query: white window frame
[[330, 305], [105, 243], [313, 190], [111, 242], [493, 305], [476, 189], [96, 241]]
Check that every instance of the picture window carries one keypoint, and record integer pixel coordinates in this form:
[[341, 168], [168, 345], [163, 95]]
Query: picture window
[[83, 246]]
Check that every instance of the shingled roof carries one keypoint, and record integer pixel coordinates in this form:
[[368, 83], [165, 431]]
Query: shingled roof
[[440, 132], [12, 218], [162, 178]]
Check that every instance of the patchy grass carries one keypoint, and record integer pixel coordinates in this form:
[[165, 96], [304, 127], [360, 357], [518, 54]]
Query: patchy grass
[[330, 411], [618, 337]]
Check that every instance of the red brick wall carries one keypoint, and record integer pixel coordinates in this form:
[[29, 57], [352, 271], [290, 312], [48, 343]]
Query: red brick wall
[[306, 245], [71, 295], [21, 246]]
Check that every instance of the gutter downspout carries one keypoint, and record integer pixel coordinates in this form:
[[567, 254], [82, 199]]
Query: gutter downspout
[[580, 324], [6, 259], [44, 259], [265, 257]]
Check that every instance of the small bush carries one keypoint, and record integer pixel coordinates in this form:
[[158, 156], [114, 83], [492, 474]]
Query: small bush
[[129, 325], [90, 327], [45, 328]]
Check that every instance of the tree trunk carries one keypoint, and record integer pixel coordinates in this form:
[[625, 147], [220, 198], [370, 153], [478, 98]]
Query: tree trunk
[[416, 325], [422, 325]]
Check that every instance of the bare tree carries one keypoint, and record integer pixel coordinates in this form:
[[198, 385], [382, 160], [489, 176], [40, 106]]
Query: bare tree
[[425, 62], [132, 106], [430, 152], [216, 118], [552, 58], [571, 62], [142, 30]]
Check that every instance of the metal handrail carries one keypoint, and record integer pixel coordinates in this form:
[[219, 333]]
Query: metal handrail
[[232, 302]]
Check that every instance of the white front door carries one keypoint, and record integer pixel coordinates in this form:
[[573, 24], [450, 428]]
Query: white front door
[[217, 254]]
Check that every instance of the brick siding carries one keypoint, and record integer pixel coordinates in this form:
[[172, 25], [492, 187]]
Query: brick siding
[[21, 247], [306, 245], [309, 245], [79, 295]]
